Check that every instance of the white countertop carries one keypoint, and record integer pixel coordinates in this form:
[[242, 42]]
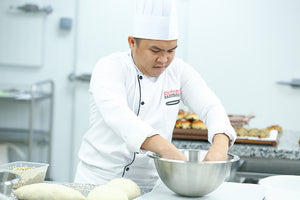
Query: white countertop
[[228, 190]]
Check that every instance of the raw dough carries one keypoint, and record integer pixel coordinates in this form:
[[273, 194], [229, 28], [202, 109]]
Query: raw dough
[[130, 187], [47, 191], [105, 192]]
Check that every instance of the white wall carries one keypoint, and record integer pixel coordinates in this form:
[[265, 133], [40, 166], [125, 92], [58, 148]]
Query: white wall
[[58, 64], [241, 48]]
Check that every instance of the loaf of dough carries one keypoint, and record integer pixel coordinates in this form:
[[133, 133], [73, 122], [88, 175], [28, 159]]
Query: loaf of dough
[[47, 191], [128, 186], [105, 192]]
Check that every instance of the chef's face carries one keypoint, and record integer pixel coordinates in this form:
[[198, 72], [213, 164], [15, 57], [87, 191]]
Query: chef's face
[[152, 57]]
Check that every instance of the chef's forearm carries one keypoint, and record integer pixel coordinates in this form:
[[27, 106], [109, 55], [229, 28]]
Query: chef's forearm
[[219, 149], [221, 139], [162, 147], [157, 144]]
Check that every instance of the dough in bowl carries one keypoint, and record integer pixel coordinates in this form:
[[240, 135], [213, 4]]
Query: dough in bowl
[[128, 186], [47, 191], [105, 192]]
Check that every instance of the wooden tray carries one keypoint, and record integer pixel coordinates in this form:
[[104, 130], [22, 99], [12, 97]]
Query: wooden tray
[[194, 134]]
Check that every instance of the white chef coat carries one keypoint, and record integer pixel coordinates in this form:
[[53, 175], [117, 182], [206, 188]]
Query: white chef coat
[[127, 106]]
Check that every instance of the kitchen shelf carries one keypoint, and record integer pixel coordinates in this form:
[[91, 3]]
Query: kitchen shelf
[[25, 96], [38, 92], [21, 136], [293, 83]]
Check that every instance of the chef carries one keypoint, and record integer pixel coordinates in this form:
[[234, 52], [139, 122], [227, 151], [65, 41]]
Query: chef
[[134, 102]]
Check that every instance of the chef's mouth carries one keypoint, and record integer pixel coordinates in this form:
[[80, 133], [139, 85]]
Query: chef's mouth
[[159, 66]]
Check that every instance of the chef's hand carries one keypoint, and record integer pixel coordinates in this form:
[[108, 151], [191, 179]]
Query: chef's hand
[[163, 147], [219, 149]]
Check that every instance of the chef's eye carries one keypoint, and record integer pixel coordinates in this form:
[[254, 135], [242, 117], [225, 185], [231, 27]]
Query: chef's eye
[[154, 51]]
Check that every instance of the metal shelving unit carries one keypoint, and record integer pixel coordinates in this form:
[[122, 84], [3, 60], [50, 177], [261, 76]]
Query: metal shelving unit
[[40, 91]]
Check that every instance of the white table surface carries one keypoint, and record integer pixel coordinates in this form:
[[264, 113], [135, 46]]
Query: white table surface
[[228, 190]]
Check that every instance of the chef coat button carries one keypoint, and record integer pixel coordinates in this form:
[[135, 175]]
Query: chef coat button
[[142, 103], [127, 168], [141, 77]]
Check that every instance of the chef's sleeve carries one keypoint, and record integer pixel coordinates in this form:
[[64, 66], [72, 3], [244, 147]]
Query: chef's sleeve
[[203, 101]]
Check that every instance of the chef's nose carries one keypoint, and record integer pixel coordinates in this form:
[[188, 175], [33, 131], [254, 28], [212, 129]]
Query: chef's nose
[[163, 57]]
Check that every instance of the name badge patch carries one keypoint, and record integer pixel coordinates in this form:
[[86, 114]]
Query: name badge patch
[[170, 94]]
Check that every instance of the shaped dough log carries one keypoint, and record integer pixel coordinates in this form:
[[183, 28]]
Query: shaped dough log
[[128, 186], [47, 191], [105, 192]]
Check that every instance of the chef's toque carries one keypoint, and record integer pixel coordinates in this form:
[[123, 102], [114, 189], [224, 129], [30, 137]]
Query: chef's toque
[[156, 20]]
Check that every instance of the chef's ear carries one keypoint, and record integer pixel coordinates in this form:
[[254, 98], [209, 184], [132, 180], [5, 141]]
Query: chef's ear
[[132, 42]]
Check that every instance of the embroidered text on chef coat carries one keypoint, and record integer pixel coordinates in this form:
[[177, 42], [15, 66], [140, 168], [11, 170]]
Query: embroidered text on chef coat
[[172, 96]]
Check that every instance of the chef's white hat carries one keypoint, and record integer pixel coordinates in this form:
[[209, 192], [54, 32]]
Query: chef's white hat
[[156, 20]]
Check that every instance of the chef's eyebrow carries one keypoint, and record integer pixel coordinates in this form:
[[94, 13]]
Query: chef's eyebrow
[[157, 48]]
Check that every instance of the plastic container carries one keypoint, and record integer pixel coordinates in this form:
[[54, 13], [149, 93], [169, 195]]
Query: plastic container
[[240, 120], [30, 172]]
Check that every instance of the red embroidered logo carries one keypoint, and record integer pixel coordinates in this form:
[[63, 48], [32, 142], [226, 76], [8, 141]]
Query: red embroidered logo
[[171, 93]]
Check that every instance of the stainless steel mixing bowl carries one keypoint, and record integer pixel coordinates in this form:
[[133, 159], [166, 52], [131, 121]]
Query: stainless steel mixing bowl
[[194, 177], [7, 180]]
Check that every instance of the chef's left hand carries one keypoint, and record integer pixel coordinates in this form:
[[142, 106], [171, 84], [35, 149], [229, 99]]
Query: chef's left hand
[[219, 149]]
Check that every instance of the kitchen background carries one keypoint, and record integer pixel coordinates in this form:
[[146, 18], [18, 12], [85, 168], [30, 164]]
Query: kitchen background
[[242, 48]]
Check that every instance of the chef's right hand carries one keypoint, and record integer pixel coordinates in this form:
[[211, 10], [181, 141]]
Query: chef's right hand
[[163, 147]]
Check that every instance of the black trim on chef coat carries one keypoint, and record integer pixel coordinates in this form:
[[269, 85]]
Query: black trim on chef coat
[[126, 168]]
